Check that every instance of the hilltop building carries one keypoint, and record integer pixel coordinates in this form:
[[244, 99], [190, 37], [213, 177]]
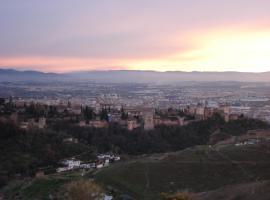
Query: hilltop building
[[148, 119]]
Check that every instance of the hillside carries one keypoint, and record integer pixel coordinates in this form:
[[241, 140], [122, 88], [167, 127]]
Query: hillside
[[197, 169], [205, 172], [257, 190], [11, 75], [135, 76]]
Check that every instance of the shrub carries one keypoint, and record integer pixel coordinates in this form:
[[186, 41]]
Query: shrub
[[176, 196], [83, 190]]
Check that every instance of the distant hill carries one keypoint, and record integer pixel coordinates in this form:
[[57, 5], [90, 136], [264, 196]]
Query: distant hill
[[134, 76], [15, 75], [170, 77]]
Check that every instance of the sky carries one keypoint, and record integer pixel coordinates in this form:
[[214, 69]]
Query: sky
[[160, 35]]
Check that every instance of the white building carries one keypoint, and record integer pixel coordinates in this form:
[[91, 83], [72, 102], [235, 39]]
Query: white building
[[71, 164], [41, 122], [99, 166]]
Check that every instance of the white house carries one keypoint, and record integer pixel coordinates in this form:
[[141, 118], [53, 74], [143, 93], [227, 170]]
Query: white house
[[72, 163], [116, 158], [99, 166], [62, 169], [88, 165]]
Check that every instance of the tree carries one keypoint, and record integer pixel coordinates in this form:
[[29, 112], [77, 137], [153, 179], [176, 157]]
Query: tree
[[88, 113], [124, 116], [104, 115]]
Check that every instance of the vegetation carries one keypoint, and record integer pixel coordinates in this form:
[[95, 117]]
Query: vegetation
[[196, 169], [33, 189], [56, 186], [82, 190], [162, 139], [88, 113], [24, 152], [104, 115], [176, 196], [259, 190], [162, 176]]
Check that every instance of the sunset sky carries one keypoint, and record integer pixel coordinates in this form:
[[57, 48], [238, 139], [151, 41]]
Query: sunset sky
[[161, 35]]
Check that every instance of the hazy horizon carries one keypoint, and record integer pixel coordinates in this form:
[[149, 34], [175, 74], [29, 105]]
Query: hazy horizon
[[139, 70], [133, 76]]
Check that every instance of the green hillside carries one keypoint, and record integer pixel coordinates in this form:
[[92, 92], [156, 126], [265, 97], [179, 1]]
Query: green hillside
[[197, 169], [259, 190]]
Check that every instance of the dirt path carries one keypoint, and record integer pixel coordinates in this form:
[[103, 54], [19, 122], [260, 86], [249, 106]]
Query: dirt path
[[147, 180], [147, 177]]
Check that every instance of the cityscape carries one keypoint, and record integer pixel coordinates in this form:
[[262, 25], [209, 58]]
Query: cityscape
[[135, 100], [135, 104]]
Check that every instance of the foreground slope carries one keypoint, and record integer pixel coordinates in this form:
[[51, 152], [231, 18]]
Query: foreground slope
[[259, 190], [198, 169]]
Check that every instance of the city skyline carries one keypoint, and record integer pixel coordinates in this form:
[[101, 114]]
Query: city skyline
[[66, 36]]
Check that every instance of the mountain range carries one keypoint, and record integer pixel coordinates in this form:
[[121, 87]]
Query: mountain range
[[133, 76]]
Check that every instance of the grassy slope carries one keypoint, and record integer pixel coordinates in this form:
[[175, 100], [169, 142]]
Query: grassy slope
[[196, 169], [39, 188], [33, 189], [249, 191]]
